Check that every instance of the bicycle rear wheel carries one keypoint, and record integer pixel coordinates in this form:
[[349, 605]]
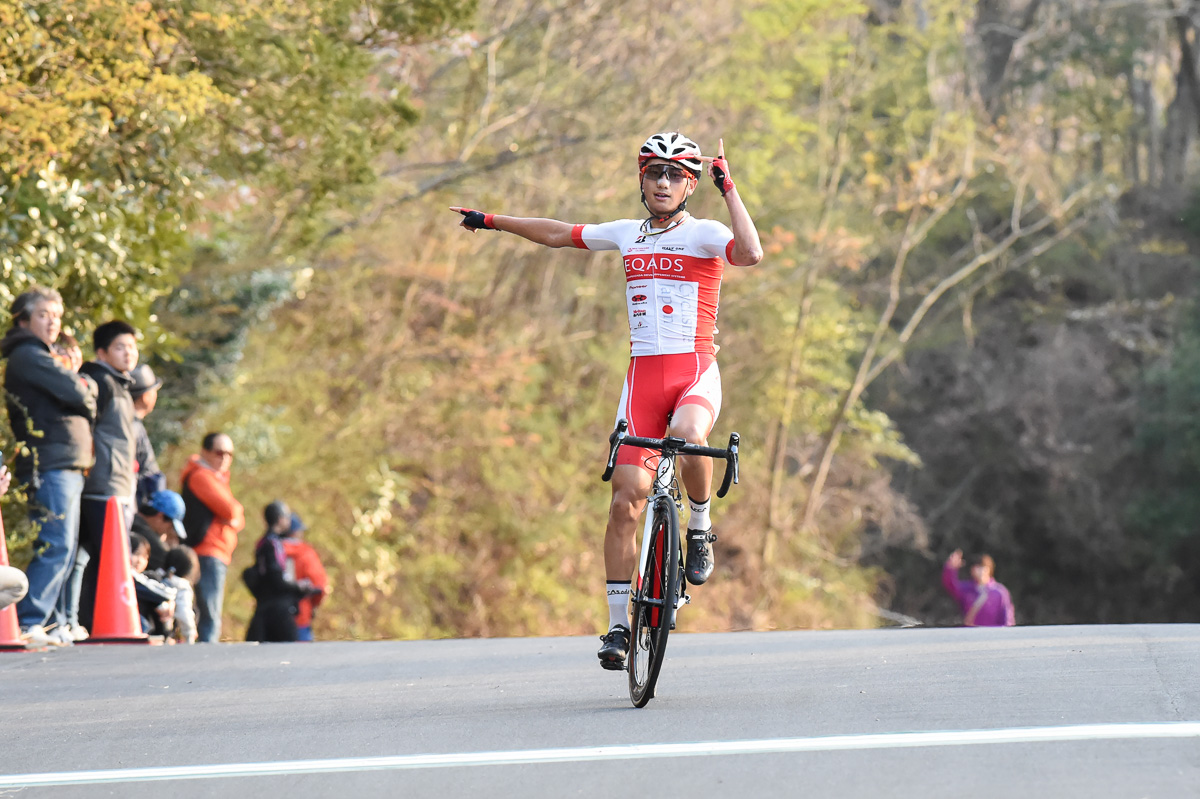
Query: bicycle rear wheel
[[654, 603]]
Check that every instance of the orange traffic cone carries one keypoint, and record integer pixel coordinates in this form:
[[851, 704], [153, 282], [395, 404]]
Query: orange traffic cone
[[10, 628], [115, 619]]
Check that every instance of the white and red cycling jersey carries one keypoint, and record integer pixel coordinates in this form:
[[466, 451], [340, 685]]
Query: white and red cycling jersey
[[672, 290], [672, 280]]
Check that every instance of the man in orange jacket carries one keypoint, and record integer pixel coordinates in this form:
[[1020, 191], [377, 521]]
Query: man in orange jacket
[[303, 563], [213, 520]]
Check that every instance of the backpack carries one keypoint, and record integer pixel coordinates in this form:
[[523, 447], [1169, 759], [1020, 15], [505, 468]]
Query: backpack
[[251, 578], [196, 516]]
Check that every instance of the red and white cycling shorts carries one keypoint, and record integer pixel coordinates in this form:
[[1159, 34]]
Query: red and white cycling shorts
[[658, 385]]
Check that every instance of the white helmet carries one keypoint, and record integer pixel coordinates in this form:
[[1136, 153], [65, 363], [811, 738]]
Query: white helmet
[[672, 147]]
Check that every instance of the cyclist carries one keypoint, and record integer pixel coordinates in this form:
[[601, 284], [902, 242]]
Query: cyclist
[[673, 269]]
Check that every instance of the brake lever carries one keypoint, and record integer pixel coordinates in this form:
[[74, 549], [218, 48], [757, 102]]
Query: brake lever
[[614, 444], [731, 465], [734, 441]]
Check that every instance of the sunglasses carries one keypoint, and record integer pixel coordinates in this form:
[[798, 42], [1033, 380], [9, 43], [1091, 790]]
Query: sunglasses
[[656, 172]]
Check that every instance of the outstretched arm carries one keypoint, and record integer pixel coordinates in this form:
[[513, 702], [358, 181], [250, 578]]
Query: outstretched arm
[[747, 250], [550, 232]]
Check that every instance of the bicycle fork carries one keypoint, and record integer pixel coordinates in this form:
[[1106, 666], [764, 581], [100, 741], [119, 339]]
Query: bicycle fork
[[681, 597]]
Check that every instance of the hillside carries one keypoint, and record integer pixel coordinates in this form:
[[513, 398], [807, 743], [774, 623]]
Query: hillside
[[974, 325]]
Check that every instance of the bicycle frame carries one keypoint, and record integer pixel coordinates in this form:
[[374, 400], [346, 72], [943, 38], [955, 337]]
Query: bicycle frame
[[664, 479], [660, 558]]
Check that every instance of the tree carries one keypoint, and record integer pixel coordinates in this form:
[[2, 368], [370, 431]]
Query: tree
[[130, 132]]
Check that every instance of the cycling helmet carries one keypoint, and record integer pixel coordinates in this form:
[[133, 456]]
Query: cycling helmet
[[672, 147]]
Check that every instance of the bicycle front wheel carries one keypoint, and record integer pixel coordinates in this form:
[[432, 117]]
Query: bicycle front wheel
[[654, 603]]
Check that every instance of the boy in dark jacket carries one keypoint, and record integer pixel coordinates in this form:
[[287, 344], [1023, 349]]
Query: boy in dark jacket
[[51, 410], [114, 438]]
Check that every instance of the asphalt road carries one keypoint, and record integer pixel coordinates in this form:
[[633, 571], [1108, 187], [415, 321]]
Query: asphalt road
[[1020, 712]]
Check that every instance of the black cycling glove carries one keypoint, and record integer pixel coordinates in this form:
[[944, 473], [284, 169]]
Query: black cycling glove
[[720, 175], [477, 220]]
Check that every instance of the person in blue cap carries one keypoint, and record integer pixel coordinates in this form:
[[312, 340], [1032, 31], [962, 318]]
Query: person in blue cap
[[160, 521]]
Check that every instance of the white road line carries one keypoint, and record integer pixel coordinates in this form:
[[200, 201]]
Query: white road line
[[1085, 732]]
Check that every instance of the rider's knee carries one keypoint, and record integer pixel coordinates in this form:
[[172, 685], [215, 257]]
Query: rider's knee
[[691, 432], [626, 503]]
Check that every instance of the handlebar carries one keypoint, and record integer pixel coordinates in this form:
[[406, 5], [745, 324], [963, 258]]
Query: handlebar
[[676, 446]]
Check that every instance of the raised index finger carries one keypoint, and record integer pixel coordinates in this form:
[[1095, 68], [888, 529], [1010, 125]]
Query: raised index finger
[[720, 148]]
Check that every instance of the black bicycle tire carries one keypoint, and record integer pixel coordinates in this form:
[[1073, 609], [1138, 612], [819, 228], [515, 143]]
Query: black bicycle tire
[[666, 563]]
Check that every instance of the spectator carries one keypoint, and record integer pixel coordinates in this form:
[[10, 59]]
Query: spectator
[[984, 602], [13, 584], [276, 593], [156, 601], [160, 521], [213, 520], [145, 396], [113, 474], [303, 563], [181, 570], [68, 352], [51, 410]]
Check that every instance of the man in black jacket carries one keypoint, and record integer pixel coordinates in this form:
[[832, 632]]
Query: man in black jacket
[[115, 440], [275, 590], [51, 410]]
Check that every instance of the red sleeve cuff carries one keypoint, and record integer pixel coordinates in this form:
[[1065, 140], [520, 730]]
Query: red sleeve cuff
[[577, 237], [487, 221], [729, 251]]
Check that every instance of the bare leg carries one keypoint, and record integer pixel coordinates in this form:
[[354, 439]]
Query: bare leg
[[693, 423], [630, 485]]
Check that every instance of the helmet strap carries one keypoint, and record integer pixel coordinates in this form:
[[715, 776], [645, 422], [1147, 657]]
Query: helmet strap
[[681, 207]]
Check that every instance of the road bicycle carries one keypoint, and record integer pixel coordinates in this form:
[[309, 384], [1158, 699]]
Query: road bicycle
[[658, 588]]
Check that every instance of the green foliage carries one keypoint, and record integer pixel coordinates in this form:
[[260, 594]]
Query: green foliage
[[1190, 218], [120, 119], [126, 129], [1167, 512]]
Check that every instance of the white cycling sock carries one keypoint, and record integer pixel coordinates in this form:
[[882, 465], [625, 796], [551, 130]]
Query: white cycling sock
[[699, 519], [618, 603]]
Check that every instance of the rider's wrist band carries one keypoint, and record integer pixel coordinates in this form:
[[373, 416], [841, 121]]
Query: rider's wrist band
[[487, 221]]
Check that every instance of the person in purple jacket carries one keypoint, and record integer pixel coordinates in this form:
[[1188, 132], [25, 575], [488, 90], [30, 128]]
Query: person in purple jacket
[[984, 602]]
